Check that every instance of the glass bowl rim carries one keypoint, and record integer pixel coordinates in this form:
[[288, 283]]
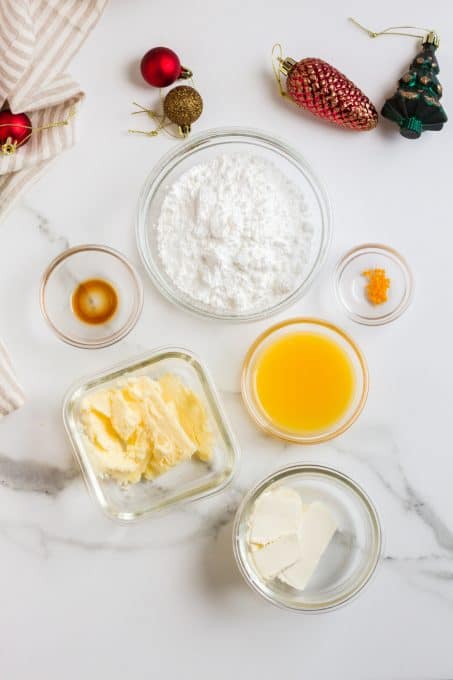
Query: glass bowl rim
[[329, 472], [169, 160], [344, 261], [154, 353], [266, 426], [121, 332]]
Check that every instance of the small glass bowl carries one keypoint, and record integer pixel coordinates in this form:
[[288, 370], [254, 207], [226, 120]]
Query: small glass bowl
[[304, 325], [350, 284], [349, 561], [188, 481], [79, 264], [202, 148]]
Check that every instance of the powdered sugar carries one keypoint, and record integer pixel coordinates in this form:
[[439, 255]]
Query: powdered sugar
[[234, 234]]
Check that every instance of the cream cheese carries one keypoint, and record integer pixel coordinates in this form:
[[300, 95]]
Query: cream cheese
[[287, 537], [275, 556], [317, 526], [276, 513]]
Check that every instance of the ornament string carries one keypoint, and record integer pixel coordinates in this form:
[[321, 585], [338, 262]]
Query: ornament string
[[394, 30], [277, 59], [158, 118], [153, 115], [9, 148]]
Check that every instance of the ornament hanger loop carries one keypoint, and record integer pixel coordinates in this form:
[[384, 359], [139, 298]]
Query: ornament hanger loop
[[277, 60], [159, 120], [400, 30]]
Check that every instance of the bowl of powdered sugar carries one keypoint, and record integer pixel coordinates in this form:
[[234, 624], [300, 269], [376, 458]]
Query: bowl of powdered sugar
[[233, 225]]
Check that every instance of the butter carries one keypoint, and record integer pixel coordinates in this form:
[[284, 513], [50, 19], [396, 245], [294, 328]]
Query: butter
[[191, 413], [287, 537], [142, 427]]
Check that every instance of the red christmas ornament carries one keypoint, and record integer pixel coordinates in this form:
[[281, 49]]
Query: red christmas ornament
[[160, 67], [15, 130], [318, 87]]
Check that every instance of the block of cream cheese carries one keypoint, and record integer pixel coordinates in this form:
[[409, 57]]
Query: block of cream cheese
[[276, 513], [278, 555], [317, 528]]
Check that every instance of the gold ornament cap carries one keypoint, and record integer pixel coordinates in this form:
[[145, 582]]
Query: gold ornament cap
[[432, 39], [9, 147], [185, 73], [183, 106], [286, 65]]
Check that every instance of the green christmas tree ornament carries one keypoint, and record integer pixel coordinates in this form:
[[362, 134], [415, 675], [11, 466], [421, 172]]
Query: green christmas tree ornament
[[415, 107]]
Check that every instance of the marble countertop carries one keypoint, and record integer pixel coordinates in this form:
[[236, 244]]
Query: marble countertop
[[83, 597]]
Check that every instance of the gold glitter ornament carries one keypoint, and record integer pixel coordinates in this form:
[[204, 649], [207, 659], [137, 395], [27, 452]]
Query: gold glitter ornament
[[183, 106]]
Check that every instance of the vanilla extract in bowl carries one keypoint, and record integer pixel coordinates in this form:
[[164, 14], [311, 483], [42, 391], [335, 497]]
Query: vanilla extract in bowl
[[94, 301], [91, 296]]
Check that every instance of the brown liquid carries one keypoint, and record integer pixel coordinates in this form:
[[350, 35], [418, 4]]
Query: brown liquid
[[94, 301]]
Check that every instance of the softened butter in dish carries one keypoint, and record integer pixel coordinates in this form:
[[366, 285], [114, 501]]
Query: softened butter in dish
[[150, 433], [143, 427]]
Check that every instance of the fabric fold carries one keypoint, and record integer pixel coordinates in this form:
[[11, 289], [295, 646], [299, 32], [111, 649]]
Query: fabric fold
[[11, 393], [38, 38]]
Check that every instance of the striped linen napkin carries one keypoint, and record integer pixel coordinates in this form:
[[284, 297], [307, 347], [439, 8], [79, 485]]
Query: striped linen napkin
[[38, 38], [11, 395]]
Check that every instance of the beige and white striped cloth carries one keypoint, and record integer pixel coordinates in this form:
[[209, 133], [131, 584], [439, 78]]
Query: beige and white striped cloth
[[11, 394], [38, 38]]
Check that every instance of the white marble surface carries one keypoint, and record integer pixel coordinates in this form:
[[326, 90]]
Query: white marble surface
[[83, 597]]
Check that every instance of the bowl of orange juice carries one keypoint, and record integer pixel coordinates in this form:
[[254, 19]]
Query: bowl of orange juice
[[304, 380]]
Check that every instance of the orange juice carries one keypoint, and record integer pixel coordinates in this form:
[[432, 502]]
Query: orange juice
[[304, 382]]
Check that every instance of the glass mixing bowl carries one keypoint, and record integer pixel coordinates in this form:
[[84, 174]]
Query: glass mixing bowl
[[203, 148], [305, 325], [351, 557]]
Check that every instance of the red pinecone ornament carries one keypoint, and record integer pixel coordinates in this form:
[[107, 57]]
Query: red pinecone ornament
[[318, 87]]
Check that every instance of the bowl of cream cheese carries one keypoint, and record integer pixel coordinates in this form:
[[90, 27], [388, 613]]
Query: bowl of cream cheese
[[233, 225], [307, 538]]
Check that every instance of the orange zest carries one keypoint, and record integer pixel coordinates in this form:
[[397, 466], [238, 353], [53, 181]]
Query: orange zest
[[377, 287]]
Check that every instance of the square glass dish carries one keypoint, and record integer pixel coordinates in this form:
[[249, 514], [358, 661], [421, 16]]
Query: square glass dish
[[188, 481]]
